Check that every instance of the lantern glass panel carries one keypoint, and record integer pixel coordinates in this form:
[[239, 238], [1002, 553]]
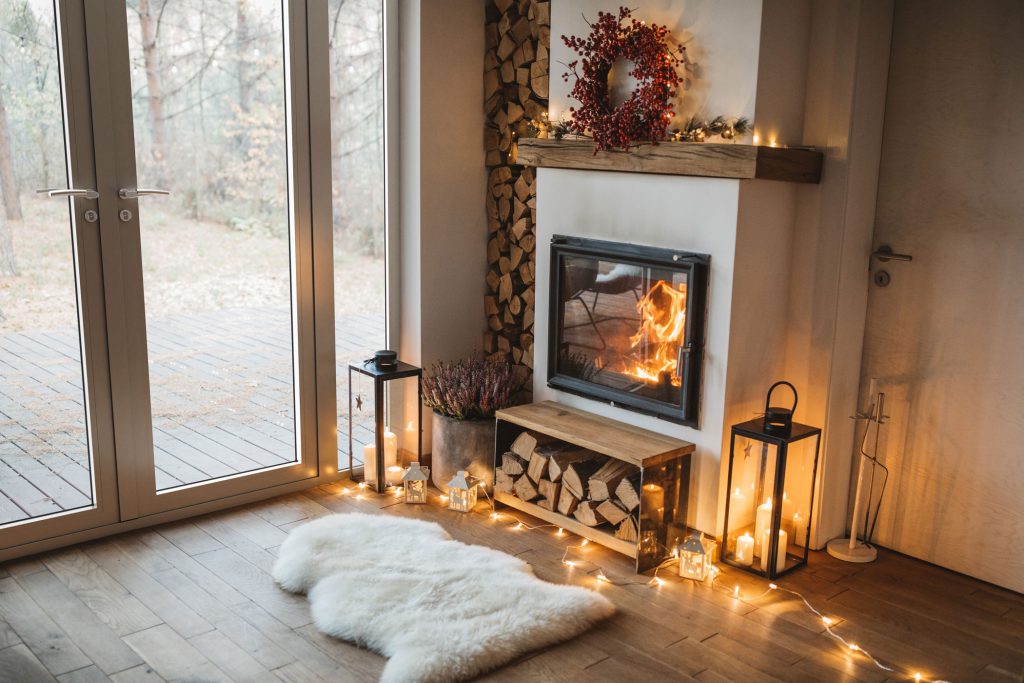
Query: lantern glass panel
[[750, 499], [796, 502]]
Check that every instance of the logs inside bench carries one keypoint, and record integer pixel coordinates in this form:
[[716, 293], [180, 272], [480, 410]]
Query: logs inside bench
[[591, 488]]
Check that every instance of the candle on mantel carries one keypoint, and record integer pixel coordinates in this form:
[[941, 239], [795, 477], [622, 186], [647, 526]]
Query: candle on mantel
[[780, 559], [745, 550], [762, 521]]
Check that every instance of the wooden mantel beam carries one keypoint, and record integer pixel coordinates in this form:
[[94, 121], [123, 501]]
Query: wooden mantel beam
[[705, 159]]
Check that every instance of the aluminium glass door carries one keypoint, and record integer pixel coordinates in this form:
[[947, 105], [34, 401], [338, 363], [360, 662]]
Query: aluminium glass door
[[209, 101], [57, 472]]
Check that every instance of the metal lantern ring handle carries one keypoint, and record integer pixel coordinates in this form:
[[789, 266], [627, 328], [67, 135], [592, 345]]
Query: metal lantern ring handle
[[778, 419]]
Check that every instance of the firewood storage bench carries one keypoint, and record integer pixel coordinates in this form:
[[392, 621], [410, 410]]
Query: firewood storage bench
[[624, 487]]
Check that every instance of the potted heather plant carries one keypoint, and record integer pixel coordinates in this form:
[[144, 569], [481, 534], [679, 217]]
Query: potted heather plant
[[464, 395]]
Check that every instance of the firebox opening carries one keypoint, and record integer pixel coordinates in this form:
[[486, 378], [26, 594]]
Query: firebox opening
[[628, 325]]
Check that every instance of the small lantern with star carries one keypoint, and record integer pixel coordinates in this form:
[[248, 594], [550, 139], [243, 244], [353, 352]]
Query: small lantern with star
[[415, 483], [695, 557], [461, 492]]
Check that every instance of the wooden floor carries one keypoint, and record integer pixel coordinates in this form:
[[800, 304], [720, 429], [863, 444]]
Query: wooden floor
[[222, 404], [194, 601]]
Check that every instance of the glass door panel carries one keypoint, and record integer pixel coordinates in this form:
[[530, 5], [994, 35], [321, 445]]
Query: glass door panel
[[356, 34], [210, 121], [55, 438]]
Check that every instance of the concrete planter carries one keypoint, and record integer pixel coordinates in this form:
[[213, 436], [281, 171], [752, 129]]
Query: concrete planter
[[461, 445]]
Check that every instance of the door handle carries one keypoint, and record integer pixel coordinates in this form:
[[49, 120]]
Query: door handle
[[69, 192], [885, 254], [125, 193]]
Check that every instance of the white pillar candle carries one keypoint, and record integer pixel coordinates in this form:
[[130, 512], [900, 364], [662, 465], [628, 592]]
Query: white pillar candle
[[745, 550], [390, 448], [393, 475], [369, 463], [762, 521], [780, 559], [799, 529]]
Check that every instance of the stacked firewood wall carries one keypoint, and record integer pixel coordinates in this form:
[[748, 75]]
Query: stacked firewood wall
[[518, 35]]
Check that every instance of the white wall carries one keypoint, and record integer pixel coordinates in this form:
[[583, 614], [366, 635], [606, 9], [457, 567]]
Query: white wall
[[443, 183], [696, 214], [721, 38]]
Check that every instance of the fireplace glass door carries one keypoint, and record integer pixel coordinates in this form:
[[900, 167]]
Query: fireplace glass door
[[628, 324]]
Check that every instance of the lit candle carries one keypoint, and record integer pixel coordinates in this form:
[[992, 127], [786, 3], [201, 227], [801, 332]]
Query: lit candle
[[390, 448], [393, 475], [762, 521], [745, 550], [369, 463], [799, 529], [780, 559], [652, 501]]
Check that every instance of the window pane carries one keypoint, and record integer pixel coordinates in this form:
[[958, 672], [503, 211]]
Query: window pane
[[357, 133], [210, 126]]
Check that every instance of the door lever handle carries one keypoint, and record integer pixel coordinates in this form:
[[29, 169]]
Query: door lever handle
[[885, 254], [69, 192], [125, 193]]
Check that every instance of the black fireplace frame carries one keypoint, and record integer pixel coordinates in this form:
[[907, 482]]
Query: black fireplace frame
[[697, 267]]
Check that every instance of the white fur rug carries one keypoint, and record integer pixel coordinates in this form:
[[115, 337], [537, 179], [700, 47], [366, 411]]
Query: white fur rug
[[440, 609]]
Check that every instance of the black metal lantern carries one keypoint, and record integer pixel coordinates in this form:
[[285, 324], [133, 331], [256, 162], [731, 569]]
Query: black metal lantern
[[383, 368], [773, 464]]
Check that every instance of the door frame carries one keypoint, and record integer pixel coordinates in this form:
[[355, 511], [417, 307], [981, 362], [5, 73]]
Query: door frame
[[83, 169], [123, 256]]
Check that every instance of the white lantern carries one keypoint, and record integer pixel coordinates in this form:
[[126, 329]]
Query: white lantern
[[415, 482], [695, 557], [461, 492]]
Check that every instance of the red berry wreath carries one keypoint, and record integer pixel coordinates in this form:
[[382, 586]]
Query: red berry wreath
[[645, 116]]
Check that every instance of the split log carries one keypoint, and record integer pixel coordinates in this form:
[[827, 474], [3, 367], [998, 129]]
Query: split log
[[503, 481], [627, 531], [567, 502], [512, 464], [525, 489], [549, 489], [538, 463], [628, 491], [559, 461], [546, 503], [587, 513], [611, 511], [604, 481], [524, 444], [576, 475]]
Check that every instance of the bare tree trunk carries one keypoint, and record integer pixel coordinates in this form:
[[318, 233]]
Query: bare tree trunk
[[8, 264], [242, 48], [8, 186], [154, 88]]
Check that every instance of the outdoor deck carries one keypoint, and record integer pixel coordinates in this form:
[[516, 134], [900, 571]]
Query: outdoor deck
[[222, 404]]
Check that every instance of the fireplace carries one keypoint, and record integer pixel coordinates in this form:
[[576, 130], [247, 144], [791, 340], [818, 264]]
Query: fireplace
[[627, 325]]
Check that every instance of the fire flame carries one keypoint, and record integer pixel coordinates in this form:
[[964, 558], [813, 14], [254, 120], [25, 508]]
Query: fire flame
[[662, 331]]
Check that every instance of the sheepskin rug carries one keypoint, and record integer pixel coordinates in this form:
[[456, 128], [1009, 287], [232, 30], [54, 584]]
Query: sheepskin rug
[[441, 610]]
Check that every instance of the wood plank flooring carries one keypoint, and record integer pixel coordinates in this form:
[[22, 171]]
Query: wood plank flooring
[[203, 426], [194, 601]]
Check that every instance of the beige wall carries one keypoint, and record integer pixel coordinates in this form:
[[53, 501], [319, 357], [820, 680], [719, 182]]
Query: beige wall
[[443, 226]]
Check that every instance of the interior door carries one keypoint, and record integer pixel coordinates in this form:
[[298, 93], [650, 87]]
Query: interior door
[[57, 472], [944, 336], [209, 108]]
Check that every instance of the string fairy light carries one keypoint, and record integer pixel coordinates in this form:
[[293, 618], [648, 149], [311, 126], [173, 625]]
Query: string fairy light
[[601, 578]]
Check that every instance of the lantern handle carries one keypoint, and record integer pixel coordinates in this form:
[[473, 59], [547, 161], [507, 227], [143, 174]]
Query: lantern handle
[[768, 398]]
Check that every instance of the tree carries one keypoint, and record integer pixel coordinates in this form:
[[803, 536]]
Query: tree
[[149, 22], [8, 186]]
